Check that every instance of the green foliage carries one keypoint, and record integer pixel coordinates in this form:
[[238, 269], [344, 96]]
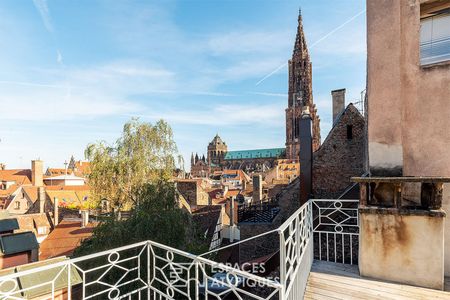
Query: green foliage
[[157, 218], [145, 153]]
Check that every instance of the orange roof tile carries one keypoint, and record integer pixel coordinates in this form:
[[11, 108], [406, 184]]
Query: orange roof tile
[[64, 239], [84, 167], [32, 192], [20, 176]]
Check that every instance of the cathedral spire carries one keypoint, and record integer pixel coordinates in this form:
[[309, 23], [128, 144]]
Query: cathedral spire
[[300, 40]]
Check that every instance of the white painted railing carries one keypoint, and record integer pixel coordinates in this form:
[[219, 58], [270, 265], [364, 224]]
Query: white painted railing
[[296, 252], [336, 230], [149, 270]]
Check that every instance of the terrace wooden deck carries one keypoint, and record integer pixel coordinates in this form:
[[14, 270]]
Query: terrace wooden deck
[[338, 281]]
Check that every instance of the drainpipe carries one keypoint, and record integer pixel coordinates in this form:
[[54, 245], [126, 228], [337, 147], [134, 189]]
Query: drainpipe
[[306, 156]]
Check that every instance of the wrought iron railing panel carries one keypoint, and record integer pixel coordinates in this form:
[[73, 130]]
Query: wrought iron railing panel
[[296, 252], [336, 230], [149, 270]]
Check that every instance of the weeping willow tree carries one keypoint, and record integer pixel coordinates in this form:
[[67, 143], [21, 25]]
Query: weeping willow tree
[[135, 172], [144, 154]]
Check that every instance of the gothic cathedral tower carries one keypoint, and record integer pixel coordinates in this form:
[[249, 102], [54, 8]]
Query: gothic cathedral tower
[[300, 95]]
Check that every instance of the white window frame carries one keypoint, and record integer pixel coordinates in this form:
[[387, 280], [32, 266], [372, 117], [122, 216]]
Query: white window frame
[[435, 39]]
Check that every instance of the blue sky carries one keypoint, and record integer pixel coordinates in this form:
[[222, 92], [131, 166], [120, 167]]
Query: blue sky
[[73, 72]]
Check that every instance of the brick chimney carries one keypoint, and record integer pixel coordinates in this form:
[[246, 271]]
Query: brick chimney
[[41, 199], [37, 172], [338, 102]]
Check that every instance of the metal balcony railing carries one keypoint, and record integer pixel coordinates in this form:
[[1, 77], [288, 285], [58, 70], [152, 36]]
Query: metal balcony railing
[[149, 270]]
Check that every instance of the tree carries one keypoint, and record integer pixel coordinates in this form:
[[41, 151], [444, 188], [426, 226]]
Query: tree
[[144, 154], [158, 219]]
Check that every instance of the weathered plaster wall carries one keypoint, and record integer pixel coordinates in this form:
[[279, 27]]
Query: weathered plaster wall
[[384, 84], [409, 111], [402, 248], [408, 103]]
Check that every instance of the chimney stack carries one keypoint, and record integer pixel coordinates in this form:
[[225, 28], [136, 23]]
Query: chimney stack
[[37, 172], [41, 199], [257, 188], [2, 166], [338, 102], [55, 211]]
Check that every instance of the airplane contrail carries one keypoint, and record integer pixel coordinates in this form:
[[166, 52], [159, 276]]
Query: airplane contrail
[[313, 44]]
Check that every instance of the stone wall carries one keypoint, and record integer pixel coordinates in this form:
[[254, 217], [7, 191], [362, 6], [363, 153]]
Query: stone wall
[[193, 192], [341, 156]]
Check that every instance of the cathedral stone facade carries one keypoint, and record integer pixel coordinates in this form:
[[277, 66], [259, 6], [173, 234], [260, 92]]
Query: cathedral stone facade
[[300, 95], [219, 159], [260, 160]]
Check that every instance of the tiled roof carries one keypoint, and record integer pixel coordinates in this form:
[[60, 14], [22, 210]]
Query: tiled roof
[[258, 153], [65, 198], [64, 239], [29, 222], [20, 176], [56, 171], [206, 218], [84, 167], [17, 243], [70, 196], [32, 192]]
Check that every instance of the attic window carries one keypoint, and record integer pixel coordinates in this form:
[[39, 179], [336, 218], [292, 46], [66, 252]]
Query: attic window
[[349, 132], [435, 32]]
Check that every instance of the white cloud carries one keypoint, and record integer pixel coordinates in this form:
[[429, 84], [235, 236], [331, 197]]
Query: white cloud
[[42, 7], [59, 58], [50, 104], [282, 95], [225, 115]]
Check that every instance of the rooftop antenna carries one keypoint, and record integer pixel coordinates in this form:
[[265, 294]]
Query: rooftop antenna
[[65, 166]]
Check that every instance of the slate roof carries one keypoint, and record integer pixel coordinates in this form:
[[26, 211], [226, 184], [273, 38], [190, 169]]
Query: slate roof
[[8, 225], [206, 219], [258, 153], [17, 243]]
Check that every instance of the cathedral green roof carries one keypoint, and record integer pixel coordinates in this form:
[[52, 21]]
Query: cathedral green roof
[[259, 153]]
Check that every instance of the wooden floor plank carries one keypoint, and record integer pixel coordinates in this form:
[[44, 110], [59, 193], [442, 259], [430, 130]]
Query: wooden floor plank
[[338, 281], [403, 290]]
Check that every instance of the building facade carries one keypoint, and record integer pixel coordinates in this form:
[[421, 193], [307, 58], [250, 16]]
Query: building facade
[[300, 95], [408, 75]]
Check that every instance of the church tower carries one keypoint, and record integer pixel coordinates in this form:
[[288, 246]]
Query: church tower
[[216, 151], [300, 95]]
